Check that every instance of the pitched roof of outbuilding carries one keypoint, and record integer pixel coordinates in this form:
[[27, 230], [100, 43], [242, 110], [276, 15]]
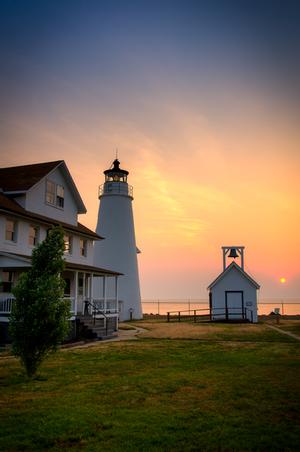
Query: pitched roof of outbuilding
[[10, 206], [228, 269]]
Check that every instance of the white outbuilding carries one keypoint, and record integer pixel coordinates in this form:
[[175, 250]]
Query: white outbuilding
[[233, 294]]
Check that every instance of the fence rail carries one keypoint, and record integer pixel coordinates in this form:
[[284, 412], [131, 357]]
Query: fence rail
[[213, 314], [287, 306]]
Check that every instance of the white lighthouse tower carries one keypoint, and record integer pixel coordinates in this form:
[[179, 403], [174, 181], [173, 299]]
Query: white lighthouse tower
[[118, 251]]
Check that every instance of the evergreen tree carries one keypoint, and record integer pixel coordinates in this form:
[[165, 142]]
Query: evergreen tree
[[39, 318]]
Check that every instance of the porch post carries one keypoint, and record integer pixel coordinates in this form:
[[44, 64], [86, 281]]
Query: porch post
[[83, 286], [104, 293], [117, 301], [92, 288], [117, 293], [76, 292]]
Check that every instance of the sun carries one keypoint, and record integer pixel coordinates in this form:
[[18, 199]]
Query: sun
[[282, 280]]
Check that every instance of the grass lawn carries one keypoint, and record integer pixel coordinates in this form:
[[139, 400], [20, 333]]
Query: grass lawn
[[158, 394], [213, 331]]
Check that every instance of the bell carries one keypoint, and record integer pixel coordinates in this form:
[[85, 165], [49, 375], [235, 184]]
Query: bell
[[233, 253]]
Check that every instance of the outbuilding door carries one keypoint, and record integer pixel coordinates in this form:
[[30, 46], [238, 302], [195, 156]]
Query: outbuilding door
[[234, 304]]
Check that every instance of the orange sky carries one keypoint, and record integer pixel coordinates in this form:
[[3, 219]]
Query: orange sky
[[202, 103], [196, 187]]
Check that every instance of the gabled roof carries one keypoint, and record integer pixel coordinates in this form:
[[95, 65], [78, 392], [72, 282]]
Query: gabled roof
[[228, 269], [22, 178], [19, 179], [12, 207]]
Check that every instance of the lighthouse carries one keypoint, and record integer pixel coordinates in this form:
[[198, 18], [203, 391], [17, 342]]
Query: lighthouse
[[118, 251]]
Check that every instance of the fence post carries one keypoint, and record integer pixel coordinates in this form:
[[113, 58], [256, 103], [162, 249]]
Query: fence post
[[168, 317], [282, 310], [195, 319], [178, 316], [158, 307]]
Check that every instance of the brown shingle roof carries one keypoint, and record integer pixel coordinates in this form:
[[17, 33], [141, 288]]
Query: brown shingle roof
[[12, 207], [19, 178]]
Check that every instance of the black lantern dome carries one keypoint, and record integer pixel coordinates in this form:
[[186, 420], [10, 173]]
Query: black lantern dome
[[116, 174]]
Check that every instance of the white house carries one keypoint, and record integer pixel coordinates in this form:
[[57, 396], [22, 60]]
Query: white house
[[33, 198], [233, 294]]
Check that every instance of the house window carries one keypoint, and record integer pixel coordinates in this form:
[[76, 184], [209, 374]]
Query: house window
[[11, 230], [55, 194], [33, 235], [68, 244], [60, 192], [83, 247], [50, 192], [67, 291], [6, 282]]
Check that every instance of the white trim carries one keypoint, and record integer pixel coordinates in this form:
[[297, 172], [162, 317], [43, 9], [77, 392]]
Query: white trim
[[227, 269]]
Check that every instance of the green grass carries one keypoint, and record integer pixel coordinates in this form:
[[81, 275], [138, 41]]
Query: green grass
[[155, 395]]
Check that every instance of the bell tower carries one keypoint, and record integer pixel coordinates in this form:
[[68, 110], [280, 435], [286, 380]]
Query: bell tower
[[233, 252], [118, 251]]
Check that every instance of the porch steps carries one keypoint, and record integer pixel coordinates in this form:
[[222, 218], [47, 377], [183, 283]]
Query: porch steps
[[87, 328]]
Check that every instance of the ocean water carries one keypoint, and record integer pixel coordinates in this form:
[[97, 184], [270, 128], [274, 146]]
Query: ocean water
[[289, 306]]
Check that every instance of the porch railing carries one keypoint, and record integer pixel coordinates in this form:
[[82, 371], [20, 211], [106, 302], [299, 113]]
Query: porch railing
[[110, 308], [6, 305], [72, 303], [99, 304]]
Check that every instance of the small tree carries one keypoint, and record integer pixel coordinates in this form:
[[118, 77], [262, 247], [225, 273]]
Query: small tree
[[39, 318]]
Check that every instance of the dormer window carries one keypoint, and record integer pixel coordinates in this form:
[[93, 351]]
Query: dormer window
[[55, 194]]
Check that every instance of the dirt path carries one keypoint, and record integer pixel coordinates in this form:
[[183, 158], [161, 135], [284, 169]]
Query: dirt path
[[283, 331]]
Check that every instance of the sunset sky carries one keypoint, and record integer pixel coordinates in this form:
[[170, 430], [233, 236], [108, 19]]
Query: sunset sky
[[202, 100]]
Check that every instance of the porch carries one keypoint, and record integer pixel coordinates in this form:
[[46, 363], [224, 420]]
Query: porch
[[92, 293]]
